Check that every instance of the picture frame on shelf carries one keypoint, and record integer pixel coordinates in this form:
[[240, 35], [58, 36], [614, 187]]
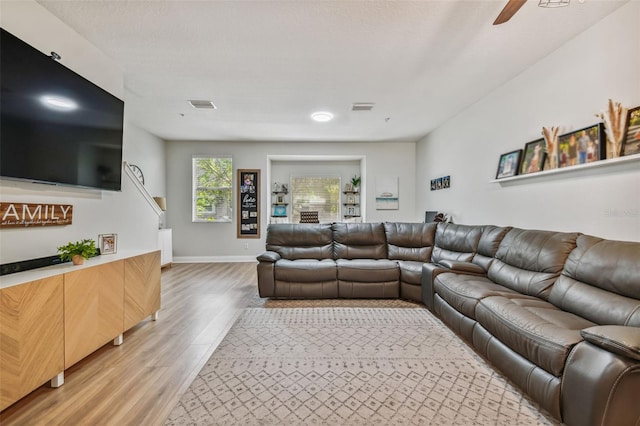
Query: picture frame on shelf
[[279, 211], [509, 164], [533, 157], [581, 146], [108, 243], [348, 187], [351, 199], [631, 143], [280, 199]]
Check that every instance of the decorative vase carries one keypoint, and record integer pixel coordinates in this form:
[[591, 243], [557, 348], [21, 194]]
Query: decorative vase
[[77, 259]]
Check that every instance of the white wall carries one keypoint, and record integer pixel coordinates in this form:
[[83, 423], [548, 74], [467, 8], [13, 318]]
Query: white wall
[[94, 212], [564, 89], [148, 152], [217, 241]]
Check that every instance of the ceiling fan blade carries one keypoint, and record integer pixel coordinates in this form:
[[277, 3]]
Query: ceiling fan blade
[[509, 10]]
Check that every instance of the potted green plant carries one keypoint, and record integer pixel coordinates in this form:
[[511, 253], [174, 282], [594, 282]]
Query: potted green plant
[[355, 181], [79, 251]]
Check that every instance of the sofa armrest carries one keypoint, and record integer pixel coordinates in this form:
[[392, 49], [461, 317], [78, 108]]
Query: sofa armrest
[[618, 339], [429, 273], [462, 267], [269, 256]]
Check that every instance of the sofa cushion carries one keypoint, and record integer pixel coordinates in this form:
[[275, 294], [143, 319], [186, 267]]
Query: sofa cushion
[[300, 241], [464, 292], [601, 282], [535, 329], [530, 261], [410, 241], [368, 270], [488, 245], [455, 242], [305, 270], [359, 241]]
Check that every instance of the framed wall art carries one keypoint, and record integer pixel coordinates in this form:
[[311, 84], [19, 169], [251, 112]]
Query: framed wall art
[[248, 215], [631, 144], [533, 157], [581, 146], [509, 164], [387, 193]]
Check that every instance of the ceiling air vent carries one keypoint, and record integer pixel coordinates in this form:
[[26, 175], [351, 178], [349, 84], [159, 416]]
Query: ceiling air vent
[[202, 104], [362, 106]]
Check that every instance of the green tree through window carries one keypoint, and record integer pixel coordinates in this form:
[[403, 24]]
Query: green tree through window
[[212, 189]]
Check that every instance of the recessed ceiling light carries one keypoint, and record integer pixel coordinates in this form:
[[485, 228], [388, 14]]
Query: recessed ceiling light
[[322, 116]]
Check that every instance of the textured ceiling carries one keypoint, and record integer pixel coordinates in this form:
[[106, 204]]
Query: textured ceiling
[[267, 65]]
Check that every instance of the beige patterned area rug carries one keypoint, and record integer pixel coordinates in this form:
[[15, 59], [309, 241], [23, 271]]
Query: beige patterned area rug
[[349, 366]]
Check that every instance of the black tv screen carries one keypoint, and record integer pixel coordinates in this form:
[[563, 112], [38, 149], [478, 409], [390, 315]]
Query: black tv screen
[[56, 126]]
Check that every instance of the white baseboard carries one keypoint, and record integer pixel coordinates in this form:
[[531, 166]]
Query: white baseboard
[[214, 259]]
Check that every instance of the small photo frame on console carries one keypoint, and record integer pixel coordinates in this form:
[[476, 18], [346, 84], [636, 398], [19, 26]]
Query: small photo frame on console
[[108, 243], [509, 164]]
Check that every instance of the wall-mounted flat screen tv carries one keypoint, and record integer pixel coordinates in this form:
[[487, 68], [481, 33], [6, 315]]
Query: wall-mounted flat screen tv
[[56, 126]]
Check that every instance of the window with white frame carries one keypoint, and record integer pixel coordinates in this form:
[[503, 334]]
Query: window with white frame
[[212, 189], [316, 193]]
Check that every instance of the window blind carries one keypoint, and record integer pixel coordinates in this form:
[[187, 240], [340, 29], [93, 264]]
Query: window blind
[[316, 193]]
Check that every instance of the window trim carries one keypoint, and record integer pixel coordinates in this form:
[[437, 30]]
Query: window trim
[[194, 188]]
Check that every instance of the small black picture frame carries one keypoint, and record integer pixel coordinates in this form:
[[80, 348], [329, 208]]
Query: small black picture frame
[[533, 157], [631, 144], [509, 164]]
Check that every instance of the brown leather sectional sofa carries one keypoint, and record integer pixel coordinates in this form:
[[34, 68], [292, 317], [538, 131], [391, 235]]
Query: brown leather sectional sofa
[[558, 313]]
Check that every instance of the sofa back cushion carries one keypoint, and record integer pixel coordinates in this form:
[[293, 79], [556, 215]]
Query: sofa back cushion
[[530, 261], [359, 241], [456, 242], [488, 245], [601, 282], [300, 241], [410, 241]]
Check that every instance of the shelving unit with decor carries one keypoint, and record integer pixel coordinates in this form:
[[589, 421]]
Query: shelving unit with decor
[[351, 204], [560, 171], [280, 203]]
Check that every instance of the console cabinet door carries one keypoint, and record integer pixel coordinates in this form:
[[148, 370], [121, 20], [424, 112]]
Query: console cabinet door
[[31, 337], [93, 309], [141, 288]]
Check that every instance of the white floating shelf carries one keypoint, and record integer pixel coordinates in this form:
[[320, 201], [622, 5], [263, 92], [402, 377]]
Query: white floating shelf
[[594, 165]]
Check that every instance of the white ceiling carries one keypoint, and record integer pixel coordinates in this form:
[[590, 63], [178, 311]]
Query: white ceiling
[[267, 65]]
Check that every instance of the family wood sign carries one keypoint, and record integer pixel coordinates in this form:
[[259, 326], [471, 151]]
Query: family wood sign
[[20, 215]]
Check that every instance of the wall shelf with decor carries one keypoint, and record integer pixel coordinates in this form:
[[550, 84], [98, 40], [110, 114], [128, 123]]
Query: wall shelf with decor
[[351, 204], [279, 202], [560, 171]]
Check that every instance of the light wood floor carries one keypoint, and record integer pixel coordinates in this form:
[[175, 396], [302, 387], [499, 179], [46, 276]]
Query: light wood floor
[[139, 382]]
